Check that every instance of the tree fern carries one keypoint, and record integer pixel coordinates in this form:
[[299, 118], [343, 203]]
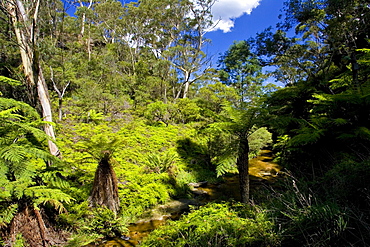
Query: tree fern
[[23, 157], [226, 164], [9, 81], [7, 214], [44, 195]]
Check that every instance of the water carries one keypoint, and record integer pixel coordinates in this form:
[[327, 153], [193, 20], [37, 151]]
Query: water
[[261, 169]]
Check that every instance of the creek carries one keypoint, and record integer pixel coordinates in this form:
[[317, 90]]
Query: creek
[[261, 170]]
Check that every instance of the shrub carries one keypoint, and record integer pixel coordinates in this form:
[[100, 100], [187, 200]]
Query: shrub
[[216, 224]]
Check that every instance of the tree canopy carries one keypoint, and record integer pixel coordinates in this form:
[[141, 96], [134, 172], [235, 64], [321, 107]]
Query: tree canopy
[[144, 117]]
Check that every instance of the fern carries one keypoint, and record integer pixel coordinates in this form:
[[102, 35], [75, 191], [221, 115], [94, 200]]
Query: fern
[[13, 153], [226, 164], [161, 162], [21, 107], [9, 81], [54, 179], [7, 214], [363, 133], [23, 155], [44, 195]]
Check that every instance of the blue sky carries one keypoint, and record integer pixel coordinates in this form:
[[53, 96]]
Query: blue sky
[[237, 20], [265, 14]]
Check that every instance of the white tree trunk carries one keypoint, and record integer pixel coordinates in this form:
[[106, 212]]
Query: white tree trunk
[[25, 31]]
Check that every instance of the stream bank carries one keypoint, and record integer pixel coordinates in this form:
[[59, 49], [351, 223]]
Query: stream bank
[[262, 169]]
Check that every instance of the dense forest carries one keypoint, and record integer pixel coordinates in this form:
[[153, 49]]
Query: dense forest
[[115, 109]]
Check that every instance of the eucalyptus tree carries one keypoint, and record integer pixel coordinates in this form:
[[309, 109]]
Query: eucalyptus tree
[[186, 54], [241, 69], [174, 32], [24, 16]]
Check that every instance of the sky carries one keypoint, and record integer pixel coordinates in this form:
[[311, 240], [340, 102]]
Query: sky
[[240, 20], [237, 20]]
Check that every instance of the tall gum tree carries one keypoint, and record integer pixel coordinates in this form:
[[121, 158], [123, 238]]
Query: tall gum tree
[[24, 17]]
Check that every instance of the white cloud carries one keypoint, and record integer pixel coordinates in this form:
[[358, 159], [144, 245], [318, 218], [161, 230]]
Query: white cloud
[[226, 11]]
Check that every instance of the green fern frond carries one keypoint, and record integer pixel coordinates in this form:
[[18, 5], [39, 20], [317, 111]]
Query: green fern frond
[[22, 108], [161, 162], [13, 153], [9, 81], [41, 154], [44, 195], [363, 133], [226, 164], [99, 145], [9, 114], [340, 121], [7, 214], [306, 136], [17, 188], [54, 179]]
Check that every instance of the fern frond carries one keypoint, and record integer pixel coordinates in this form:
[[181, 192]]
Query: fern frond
[[9, 114], [13, 153], [306, 136], [9, 81], [340, 121], [41, 154], [7, 214], [363, 133], [54, 179], [44, 195], [22, 108], [226, 164]]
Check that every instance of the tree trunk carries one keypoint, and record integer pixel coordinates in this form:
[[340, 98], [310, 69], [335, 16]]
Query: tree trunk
[[243, 168], [25, 31], [105, 188], [186, 90]]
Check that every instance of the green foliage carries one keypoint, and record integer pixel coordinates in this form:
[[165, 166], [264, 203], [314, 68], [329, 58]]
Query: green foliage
[[94, 222], [217, 225], [226, 164], [259, 139], [306, 220], [241, 69], [22, 159], [93, 116], [9, 81], [183, 111], [161, 162], [159, 111], [120, 70], [147, 165], [7, 214]]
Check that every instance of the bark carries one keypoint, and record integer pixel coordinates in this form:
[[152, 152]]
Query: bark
[[243, 168], [82, 32], [25, 31], [36, 229], [105, 187], [42, 227], [186, 89], [60, 94]]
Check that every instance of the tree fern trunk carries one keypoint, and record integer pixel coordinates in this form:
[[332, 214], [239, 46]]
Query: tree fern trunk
[[105, 188], [243, 168], [42, 227]]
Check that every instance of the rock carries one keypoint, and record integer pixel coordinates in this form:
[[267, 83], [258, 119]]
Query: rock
[[199, 184]]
